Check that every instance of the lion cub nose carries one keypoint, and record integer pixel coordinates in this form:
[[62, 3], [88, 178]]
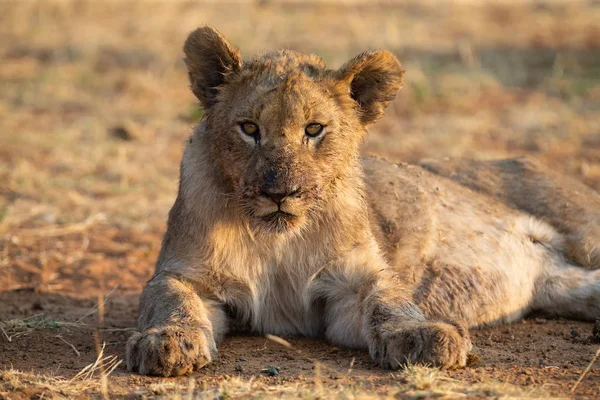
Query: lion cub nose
[[279, 196]]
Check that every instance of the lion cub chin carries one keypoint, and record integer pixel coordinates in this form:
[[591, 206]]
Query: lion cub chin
[[270, 231]]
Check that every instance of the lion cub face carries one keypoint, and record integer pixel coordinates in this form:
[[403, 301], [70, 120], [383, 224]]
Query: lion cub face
[[282, 129], [279, 140]]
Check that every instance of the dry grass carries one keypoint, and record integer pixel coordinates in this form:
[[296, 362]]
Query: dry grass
[[88, 380], [18, 327], [15, 328], [414, 382], [426, 382]]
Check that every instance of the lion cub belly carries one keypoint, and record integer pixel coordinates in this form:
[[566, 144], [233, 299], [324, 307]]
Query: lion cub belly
[[280, 309], [276, 301]]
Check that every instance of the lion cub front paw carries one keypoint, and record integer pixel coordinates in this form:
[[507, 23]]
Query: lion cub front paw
[[168, 351], [438, 344]]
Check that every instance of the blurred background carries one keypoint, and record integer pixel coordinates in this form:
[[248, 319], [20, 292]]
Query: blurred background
[[95, 108]]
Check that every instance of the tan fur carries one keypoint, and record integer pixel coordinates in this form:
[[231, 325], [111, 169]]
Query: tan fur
[[365, 253], [526, 184]]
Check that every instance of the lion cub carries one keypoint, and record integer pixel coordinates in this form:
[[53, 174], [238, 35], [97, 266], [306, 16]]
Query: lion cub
[[280, 227]]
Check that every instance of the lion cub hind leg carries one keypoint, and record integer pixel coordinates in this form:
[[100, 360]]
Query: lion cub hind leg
[[481, 297], [569, 291], [178, 330]]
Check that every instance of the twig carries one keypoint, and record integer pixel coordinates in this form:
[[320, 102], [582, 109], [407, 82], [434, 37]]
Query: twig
[[351, 365], [61, 230], [100, 348], [73, 347], [99, 304], [110, 363], [586, 371], [15, 328], [9, 338]]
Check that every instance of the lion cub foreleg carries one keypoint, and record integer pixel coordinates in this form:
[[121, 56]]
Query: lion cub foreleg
[[178, 329], [370, 307]]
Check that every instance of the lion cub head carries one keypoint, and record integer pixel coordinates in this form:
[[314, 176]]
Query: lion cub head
[[281, 129]]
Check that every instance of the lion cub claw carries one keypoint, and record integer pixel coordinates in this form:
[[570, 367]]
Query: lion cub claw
[[168, 351], [438, 344]]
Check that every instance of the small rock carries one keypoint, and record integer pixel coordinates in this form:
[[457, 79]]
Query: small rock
[[271, 371], [239, 368], [574, 334], [540, 321], [543, 363], [37, 306], [243, 359]]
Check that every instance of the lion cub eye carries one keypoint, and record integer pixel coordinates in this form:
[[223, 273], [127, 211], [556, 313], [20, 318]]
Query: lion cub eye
[[313, 130], [250, 129]]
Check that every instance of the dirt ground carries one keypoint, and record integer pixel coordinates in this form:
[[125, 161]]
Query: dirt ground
[[94, 111], [539, 355]]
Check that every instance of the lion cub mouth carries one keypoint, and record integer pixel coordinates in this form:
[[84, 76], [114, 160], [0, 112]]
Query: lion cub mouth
[[270, 210], [279, 221], [279, 214]]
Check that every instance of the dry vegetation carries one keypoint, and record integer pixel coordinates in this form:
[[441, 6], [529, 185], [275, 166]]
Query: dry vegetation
[[95, 108]]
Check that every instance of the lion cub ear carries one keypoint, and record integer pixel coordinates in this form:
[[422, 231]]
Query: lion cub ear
[[209, 58], [375, 77]]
